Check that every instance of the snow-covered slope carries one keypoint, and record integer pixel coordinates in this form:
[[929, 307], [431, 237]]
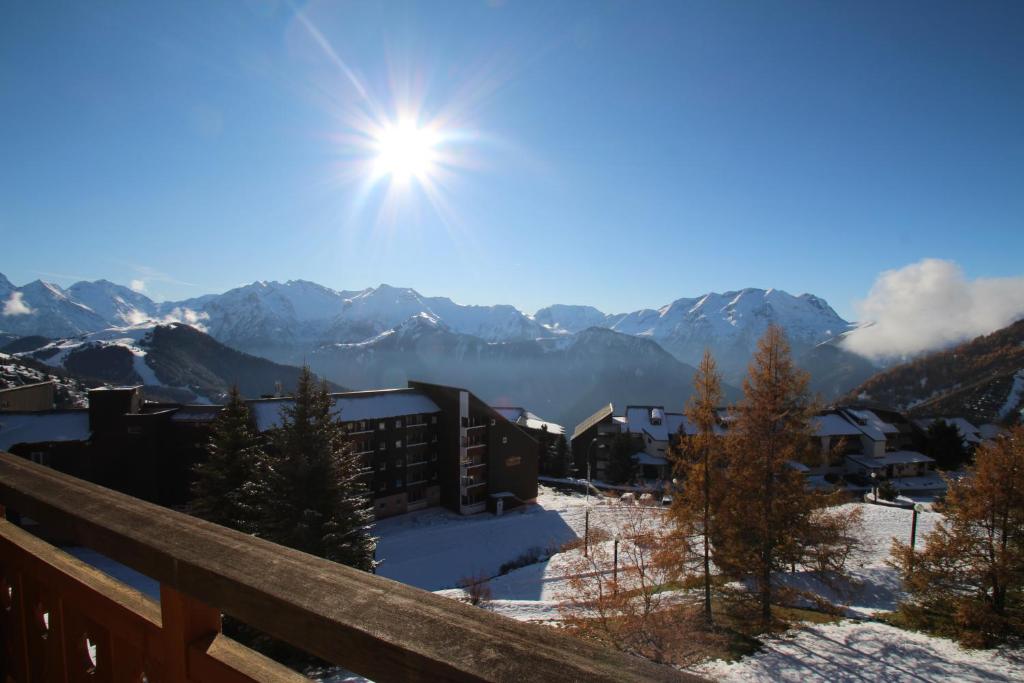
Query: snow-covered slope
[[116, 304]]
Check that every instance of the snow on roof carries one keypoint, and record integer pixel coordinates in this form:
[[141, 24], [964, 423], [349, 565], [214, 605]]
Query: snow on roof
[[639, 421], [644, 458], [890, 458], [509, 413], [968, 432], [798, 466], [869, 423], [534, 422], [834, 425], [64, 425], [603, 413], [989, 431], [674, 423], [525, 418], [351, 407]]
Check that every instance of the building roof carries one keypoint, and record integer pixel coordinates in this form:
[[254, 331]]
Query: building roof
[[890, 458], [639, 421], [602, 413], [832, 424], [351, 406], [968, 432], [24, 387], [42, 427], [197, 413], [524, 418], [870, 424], [645, 458]]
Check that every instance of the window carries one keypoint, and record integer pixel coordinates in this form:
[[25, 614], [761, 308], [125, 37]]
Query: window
[[398, 443], [398, 423], [433, 419], [399, 463], [434, 439], [398, 483], [504, 439], [383, 466], [381, 426], [492, 422], [382, 446]]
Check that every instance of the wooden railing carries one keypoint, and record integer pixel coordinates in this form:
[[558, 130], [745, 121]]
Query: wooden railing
[[61, 620]]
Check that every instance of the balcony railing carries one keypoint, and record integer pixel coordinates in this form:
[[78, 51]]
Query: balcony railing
[[53, 607]]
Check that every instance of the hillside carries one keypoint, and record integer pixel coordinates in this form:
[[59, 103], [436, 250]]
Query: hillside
[[982, 380], [564, 379], [173, 362]]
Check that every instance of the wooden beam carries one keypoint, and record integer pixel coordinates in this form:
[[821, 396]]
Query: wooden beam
[[373, 626]]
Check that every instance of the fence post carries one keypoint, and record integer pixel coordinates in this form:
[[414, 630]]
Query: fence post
[[185, 620]]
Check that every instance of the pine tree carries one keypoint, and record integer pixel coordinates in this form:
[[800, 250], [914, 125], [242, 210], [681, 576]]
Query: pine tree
[[561, 461], [765, 506], [970, 572], [225, 490], [621, 466], [316, 496], [697, 462], [946, 445]]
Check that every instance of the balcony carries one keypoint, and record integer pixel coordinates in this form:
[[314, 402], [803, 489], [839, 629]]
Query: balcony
[[367, 624]]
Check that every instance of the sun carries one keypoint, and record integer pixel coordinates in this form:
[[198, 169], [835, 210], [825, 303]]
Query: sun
[[405, 150]]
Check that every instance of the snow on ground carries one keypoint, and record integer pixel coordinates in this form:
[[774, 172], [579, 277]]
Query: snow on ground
[[875, 585], [434, 548], [862, 651]]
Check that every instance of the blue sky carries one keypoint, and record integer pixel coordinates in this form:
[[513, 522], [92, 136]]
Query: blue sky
[[618, 154]]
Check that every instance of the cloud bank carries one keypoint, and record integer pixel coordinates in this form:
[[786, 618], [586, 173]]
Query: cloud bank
[[137, 285], [930, 305], [15, 306]]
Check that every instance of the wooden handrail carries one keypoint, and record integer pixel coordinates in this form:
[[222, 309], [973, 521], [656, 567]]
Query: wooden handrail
[[371, 625]]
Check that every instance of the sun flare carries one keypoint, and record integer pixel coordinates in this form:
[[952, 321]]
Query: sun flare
[[405, 150]]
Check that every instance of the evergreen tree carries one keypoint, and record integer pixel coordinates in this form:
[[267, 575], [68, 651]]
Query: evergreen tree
[[621, 466], [225, 490], [946, 445], [316, 497], [970, 574], [765, 507], [696, 463], [561, 459]]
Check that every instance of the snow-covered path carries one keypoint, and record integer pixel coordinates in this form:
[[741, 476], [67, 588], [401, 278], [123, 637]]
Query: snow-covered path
[[858, 651]]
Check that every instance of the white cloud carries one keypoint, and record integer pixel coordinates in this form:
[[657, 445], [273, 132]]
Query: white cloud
[[137, 285], [930, 305], [15, 306], [187, 316]]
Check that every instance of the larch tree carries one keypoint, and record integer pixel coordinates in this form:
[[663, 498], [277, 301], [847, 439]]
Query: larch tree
[[970, 573], [765, 508], [225, 490], [696, 462], [316, 499]]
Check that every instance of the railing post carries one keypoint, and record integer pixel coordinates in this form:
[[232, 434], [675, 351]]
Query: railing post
[[185, 620]]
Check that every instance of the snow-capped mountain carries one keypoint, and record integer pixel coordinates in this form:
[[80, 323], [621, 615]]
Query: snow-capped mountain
[[45, 309], [570, 319], [729, 324], [288, 321], [114, 303]]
